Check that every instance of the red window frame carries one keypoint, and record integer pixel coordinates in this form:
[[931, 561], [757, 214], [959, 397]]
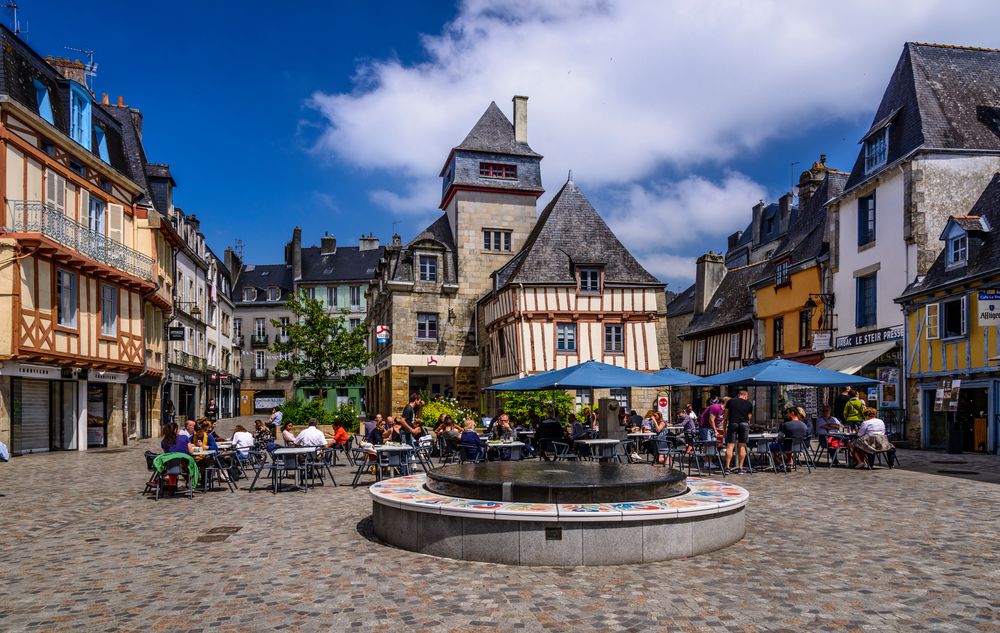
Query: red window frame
[[497, 170]]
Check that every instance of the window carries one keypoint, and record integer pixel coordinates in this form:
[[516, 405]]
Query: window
[[876, 150], [331, 297], [101, 145], [805, 329], [565, 337], [237, 327], [109, 310], [781, 273], [735, 344], [497, 170], [865, 300], [614, 338], [427, 326], [44, 104], [958, 250], [866, 220], [428, 268], [621, 395], [699, 351], [273, 293], [258, 361], [259, 327], [210, 355], [953, 318], [55, 191], [355, 296], [353, 323], [778, 339], [502, 342], [496, 240], [67, 297], [79, 114], [590, 280], [310, 292], [96, 215], [249, 294], [283, 328]]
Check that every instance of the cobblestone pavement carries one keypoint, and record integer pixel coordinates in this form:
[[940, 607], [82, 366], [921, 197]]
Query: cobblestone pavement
[[834, 550]]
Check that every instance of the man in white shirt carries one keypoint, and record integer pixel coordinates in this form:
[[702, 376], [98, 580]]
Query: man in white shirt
[[311, 436], [188, 429]]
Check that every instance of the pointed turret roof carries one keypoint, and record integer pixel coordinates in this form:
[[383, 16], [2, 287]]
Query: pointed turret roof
[[494, 133], [571, 233]]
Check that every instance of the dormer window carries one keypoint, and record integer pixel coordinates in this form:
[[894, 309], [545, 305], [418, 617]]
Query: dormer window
[[274, 293], [249, 294], [44, 104], [958, 250], [781, 273], [428, 268], [101, 143], [497, 170], [79, 114], [876, 150], [589, 280]]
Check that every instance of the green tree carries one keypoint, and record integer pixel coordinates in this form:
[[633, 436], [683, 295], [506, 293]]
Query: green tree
[[320, 345], [520, 404]]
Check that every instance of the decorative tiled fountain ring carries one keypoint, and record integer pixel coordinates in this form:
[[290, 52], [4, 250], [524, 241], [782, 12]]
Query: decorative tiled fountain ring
[[600, 528]]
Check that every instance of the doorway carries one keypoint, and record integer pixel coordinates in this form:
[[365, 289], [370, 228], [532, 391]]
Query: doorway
[[187, 405], [62, 420], [972, 417], [97, 411]]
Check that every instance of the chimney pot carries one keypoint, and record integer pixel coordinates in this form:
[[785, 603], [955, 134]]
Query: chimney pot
[[121, 101], [709, 271], [104, 98], [328, 245], [520, 119]]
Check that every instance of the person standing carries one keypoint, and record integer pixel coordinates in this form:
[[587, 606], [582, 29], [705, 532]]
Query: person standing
[[840, 402], [854, 411], [169, 412], [739, 412], [711, 421], [410, 412], [212, 410]]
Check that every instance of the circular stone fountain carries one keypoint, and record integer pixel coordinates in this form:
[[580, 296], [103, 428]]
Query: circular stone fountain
[[562, 513]]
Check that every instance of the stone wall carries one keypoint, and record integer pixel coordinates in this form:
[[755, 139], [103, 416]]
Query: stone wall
[[675, 326], [467, 386]]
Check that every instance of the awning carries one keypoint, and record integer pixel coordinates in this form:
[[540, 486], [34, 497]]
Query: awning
[[849, 361]]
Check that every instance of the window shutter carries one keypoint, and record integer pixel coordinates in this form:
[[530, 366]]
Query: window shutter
[[55, 191], [932, 321], [115, 220], [965, 317], [84, 208]]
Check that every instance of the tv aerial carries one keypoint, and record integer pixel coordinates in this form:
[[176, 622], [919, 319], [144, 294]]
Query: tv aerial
[[90, 68]]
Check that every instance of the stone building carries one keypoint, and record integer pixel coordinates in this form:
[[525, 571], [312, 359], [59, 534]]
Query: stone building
[[572, 293], [425, 291]]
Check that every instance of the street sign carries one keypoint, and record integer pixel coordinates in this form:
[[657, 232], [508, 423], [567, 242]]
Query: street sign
[[989, 308], [663, 406], [870, 338], [175, 333], [381, 334]]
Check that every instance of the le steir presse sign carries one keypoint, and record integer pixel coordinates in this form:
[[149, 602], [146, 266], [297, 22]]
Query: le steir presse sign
[[989, 308]]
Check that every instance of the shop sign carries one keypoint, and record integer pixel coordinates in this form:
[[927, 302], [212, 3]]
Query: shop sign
[[946, 396], [268, 402], [870, 338], [821, 342], [989, 308], [175, 333], [889, 377], [382, 334], [107, 376]]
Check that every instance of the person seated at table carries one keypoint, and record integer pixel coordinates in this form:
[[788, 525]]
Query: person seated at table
[[188, 429], [689, 422], [793, 428], [340, 434], [577, 431], [825, 424], [394, 432], [201, 441], [550, 430], [505, 433], [242, 442], [418, 431], [210, 429], [262, 435], [172, 441], [311, 435], [370, 424], [470, 437], [287, 436], [647, 422], [634, 421], [871, 439], [377, 435]]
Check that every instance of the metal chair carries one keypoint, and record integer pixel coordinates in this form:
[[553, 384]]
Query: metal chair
[[798, 448], [218, 468], [364, 462], [471, 453], [705, 450], [159, 480], [562, 452], [423, 458], [761, 450]]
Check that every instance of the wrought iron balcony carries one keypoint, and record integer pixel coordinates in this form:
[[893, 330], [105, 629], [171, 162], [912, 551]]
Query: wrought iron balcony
[[37, 217], [281, 338], [260, 374], [258, 340], [238, 340]]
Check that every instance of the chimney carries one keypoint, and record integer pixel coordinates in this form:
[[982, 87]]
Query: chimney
[[296, 253], [368, 242], [734, 239], [811, 179], [327, 244], [784, 211], [104, 99], [232, 262], [758, 211], [194, 222], [709, 271], [72, 70], [397, 240], [520, 119]]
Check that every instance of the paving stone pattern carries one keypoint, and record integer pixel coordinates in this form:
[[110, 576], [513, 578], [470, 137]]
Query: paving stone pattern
[[829, 551]]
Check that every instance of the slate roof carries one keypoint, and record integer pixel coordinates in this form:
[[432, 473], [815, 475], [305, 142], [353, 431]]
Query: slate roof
[[348, 263], [682, 303], [971, 222], [262, 276], [494, 133], [569, 233], [805, 239], [735, 302], [399, 259], [135, 154], [984, 257], [939, 96]]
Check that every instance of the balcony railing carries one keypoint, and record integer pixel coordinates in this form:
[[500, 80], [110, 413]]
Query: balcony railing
[[238, 340], [190, 361], [259, 374], [258, 340], [281, 338], [37, 217]]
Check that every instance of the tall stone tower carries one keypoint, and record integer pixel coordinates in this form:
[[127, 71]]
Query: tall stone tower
[[491, 182]]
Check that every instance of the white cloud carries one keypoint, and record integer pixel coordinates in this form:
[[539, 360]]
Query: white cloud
[[621, 89]]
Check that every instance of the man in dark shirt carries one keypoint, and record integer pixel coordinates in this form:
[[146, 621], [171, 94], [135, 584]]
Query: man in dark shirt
[[739, 412], [840, 402], [410, 412], [793, 428], [634, 419]]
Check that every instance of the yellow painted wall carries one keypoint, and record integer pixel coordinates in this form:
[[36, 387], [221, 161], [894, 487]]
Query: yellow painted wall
[[787, 301]]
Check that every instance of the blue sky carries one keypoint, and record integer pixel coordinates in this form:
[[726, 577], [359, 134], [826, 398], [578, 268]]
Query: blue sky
[[675, 116]]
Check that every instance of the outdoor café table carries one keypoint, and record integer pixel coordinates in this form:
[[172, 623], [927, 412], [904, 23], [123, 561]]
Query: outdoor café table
[[291, 454], [513, 447], [215, 463], [847, 439], [606, 447], [640, 438], [223, 444], [396, 457]]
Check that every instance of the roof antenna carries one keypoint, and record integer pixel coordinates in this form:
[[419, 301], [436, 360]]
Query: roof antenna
[[15, 25], [90, 68], [238, 247], [394, 223]]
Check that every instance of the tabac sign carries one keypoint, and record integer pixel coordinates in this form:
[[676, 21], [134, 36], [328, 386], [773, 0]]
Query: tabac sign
[[989, 308]]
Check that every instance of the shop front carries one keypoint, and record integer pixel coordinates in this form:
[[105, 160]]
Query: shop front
[[184, 389], [967, 409], [220, 386], [107, 421], [44, 408]]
